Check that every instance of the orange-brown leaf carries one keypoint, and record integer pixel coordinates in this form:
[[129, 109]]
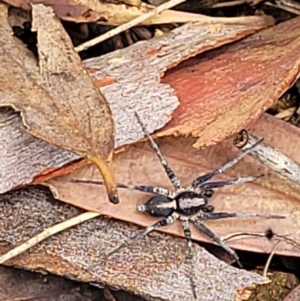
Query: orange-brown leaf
[[268, 195]]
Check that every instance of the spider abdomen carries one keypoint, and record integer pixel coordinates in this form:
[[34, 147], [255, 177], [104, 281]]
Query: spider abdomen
[[158, 206], [189, 202]]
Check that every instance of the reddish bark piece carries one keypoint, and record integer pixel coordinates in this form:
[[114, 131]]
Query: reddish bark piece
[[268, 195], [155, 268], [224, 91], [135, 86]]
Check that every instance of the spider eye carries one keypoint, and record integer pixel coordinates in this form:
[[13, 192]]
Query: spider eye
[[208, 193]]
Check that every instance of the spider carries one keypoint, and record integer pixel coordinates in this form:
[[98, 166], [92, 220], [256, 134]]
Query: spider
[[186, 204]]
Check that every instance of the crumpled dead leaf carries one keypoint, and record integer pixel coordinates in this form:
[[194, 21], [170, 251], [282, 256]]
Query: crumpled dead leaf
[[130, 80], [155, 268], [58, 101], [225, 90], [268, 195]]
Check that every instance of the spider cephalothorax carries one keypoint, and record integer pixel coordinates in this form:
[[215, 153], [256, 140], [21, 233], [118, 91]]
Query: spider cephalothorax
[[186, 204]]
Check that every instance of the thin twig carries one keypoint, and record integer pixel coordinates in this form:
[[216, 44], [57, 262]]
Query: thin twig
[[47, 233], [128, 25], [265, 271], [241, 235]]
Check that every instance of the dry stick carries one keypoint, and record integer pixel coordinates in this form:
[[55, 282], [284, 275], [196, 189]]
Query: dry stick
[[128, 25], [265, 271], [269, 156], [241, 235], [47, 233]]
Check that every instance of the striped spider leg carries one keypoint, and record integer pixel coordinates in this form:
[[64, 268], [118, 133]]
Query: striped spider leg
[[186, 204]]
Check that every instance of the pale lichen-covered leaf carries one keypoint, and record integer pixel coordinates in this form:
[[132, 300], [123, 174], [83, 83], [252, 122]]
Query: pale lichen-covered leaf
[[269, 195], [154, 268], [130, 81]]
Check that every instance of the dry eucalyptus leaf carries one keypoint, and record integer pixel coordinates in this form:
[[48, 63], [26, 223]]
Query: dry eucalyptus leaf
[[154, 268], [139, 165], [130, 80], [114, 13], [225, 90], [59, 102]]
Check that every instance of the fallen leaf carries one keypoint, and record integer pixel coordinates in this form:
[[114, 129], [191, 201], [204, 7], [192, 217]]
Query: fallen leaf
[[134, 74], [225, 90], [268, 195], [59, 102], [107, 13], [155, 268]]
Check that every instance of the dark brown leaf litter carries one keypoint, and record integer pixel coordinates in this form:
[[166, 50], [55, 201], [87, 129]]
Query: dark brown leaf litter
[[155, 268], [225, 90], [130, 80]]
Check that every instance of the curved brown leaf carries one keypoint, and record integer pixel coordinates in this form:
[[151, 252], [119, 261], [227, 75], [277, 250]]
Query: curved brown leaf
[[268, 195], [59, 103], [225, 90], [130, 77], [155, 268]]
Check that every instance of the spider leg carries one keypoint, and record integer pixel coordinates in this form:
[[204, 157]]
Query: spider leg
[[171, 175], [148, 189], [187, 233], [161, 223], [219, 184], [223, 168], [215, 238], [221, 215]]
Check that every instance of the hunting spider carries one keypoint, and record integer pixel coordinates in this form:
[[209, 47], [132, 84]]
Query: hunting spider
[[186, 204]]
